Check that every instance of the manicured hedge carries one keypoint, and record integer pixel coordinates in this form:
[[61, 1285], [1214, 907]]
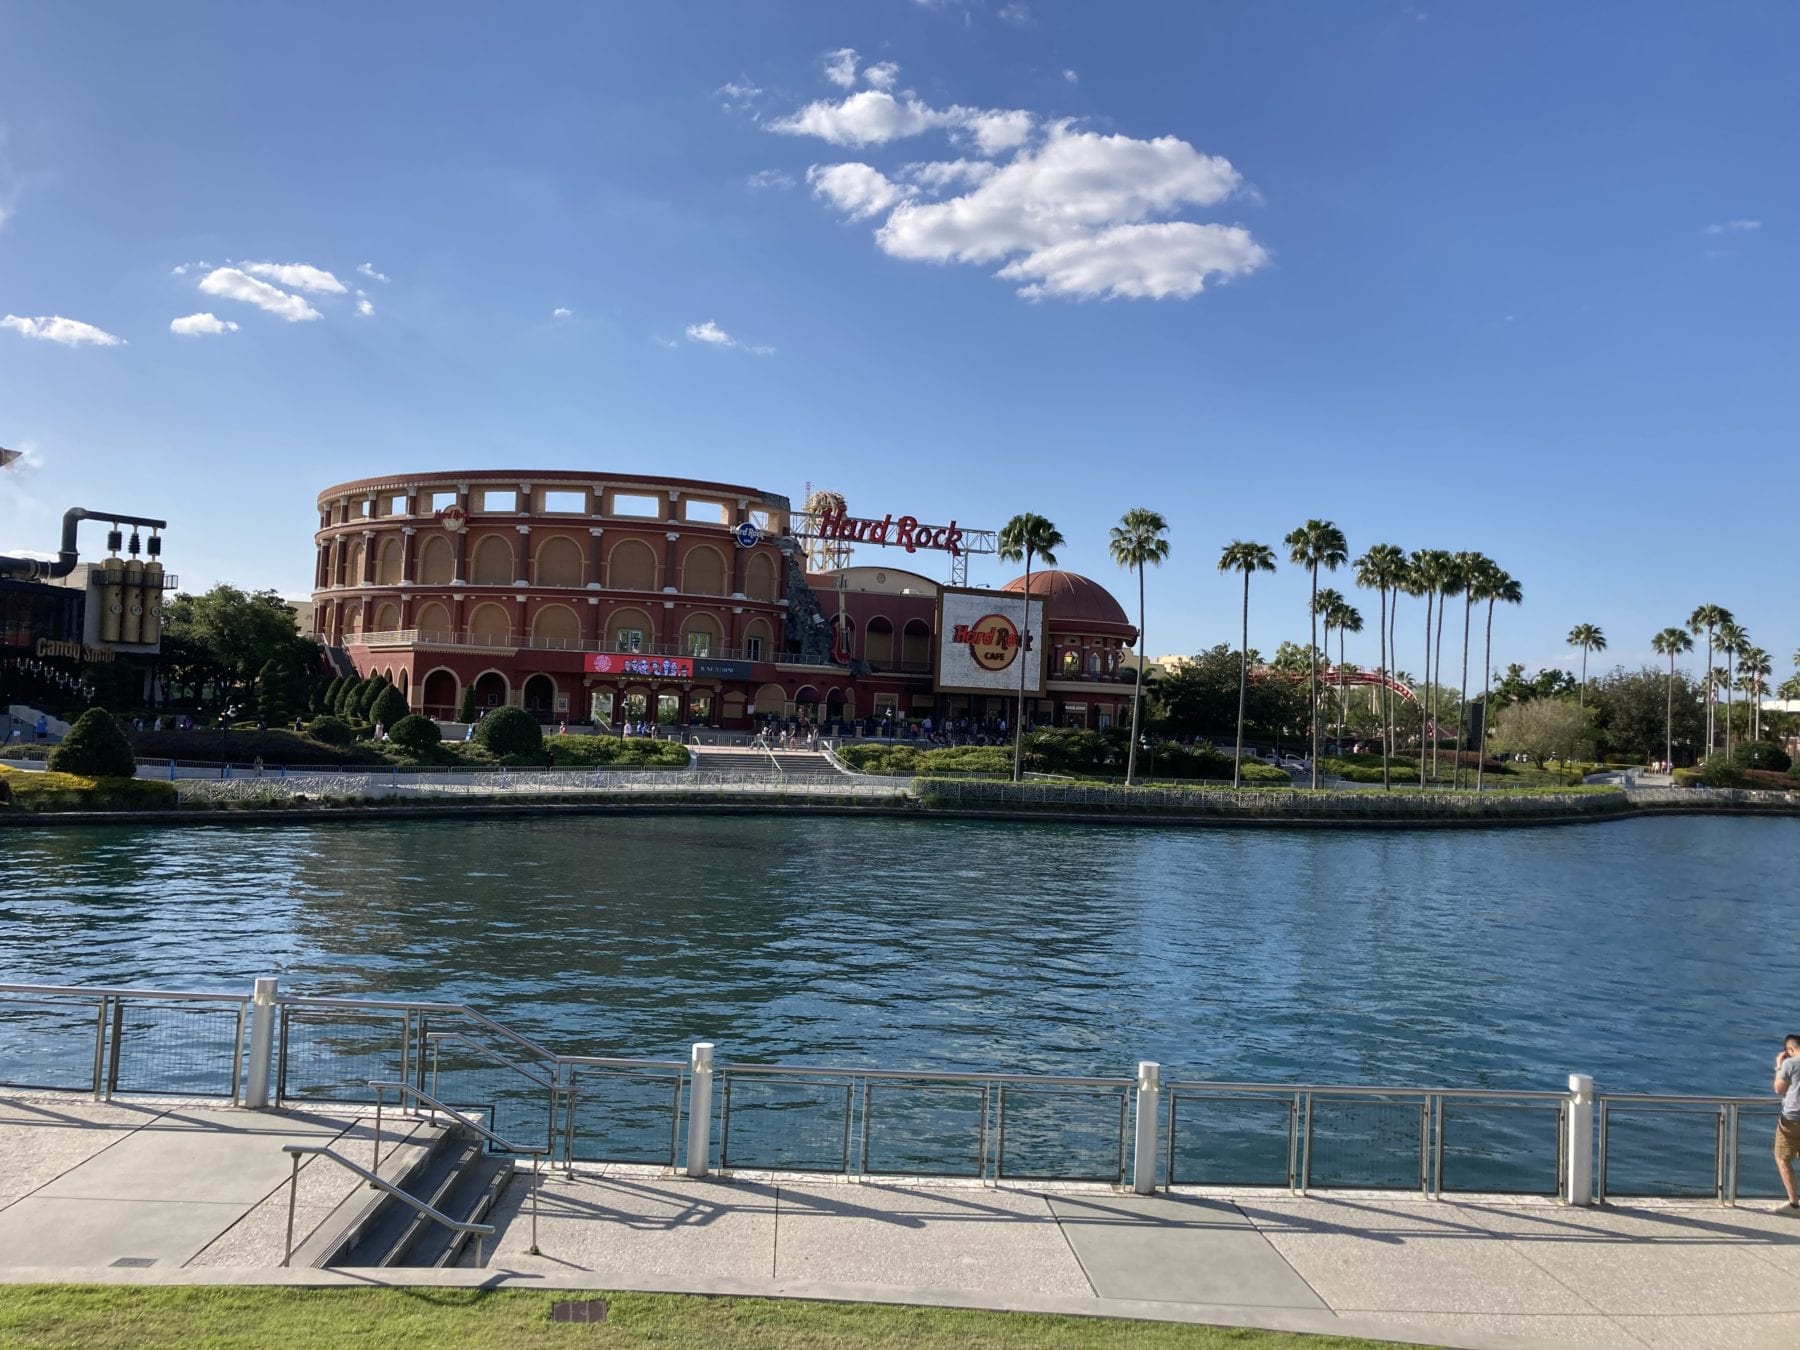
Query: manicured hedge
[[51, 791]]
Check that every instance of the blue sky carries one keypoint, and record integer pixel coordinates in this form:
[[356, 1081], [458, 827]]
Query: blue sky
[[1515, 278]]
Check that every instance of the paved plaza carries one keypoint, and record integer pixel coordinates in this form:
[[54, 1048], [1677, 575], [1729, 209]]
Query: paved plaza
[[197, 1192]]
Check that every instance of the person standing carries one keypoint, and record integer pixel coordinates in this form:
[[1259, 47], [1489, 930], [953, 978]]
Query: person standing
[[1787, 1129]]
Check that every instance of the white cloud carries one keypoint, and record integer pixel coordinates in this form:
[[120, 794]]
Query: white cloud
[[947, 173], [1070, 77], [776, 179], [1018, 15], [562, 312], [857, 190], [871, 117], [365, 307], [709, 334], [55, 328], [1137, 262], [840, 67], [997, 132], [368, 270], [297, 276], [231, 284], [738, 95], [882, 74], [1733, 227], [196, 325]]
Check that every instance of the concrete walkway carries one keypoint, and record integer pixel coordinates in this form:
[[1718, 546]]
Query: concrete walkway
[[201, 1192]]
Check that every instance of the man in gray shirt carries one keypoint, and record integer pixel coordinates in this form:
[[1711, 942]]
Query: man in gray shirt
[[1787, 1129]]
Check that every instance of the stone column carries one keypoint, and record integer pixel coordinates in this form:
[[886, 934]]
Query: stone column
[[522, 568], [409, 554], [671, 574], [590, 567]]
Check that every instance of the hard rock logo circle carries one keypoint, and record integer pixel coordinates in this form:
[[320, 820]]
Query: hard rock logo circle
[[453, 518], [993, 641]]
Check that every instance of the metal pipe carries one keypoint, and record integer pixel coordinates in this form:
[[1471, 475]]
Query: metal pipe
[[36, 569], [293, 1185]]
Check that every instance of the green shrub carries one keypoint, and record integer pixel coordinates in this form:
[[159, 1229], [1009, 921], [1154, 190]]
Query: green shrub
[[510, 731], [1721, 773], [870, 758], [329, 730], [1258, 774], [1761, 755], [95, 747], [589, 752], [413, 732], [364, 703], [995, 759], [388, 708], [52, 791], [465, 711]]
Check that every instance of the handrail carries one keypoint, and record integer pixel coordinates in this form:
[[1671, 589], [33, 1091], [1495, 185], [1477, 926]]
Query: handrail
[[106, 991], [1325, 1089], [432, 1037], [414, 1005], [482, 1231], [923, 1075]]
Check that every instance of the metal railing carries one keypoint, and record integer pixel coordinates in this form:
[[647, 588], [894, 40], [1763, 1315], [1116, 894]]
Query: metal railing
[[175, 1034], [480, 1231], [1681, 1146]]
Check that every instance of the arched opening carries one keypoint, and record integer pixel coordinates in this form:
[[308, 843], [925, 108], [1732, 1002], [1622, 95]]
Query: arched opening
[[559, 562], [555, 627], [629, 630], [806, 702], [387, 561], [432, 621], [437, 561], [490, 625], [492, 564], [759, 577], [631, 566], [915, 645], [759, 641], [491, 689], [387, 617], [540, 697], [703, 571], [353, 574], [769, 702], [701, 635], [878, 643], [835, 713], [1071, 662], [635, 705], [441, 693], [402, 680]]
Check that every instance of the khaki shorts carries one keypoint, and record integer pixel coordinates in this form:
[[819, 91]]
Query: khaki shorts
[[1787, 1140]]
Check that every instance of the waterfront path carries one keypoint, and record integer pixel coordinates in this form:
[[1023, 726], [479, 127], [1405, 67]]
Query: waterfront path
[[195, 1192]]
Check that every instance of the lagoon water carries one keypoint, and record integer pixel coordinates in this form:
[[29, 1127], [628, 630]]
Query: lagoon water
[[1658, 955]]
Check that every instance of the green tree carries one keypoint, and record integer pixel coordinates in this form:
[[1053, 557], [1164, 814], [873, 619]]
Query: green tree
[[1345, 618], [1245, 557], [1754, 668], [275, 694], [1139, 539], [94, 748], [234, 634], [388, 708], [1732, 639], [415, 733], [1468, 569], [1544, 729], [1491, 584], [1707, 618], [1588, 638], [1671, 642], [1316, 544], [330, 730], [1023, 538], [1381, 569], [510, 730], [465, 712], [1424, 577], [366, 696]]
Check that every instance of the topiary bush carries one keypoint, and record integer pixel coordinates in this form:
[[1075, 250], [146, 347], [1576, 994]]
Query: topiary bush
[[95, 748], [1718, 772], [330, 730], [1762, 755], [465, 711], [388, 708], [510, 731], [413, 732]]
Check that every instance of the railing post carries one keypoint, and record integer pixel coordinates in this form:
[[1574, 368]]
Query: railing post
[[262, 1042], [1143, 1153], [1579, 1188], [700, 1086]]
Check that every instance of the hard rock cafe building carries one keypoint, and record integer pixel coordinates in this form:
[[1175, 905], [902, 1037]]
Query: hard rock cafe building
[[608, 598]]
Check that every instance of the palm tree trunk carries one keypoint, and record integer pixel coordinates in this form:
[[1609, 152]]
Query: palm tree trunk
[[1381, 694], [1581, 694], [1438, 662], [1393, 646], [1425, 692], [1462, 720], [1728, 703], [1137, 690], [1710, 702], [1487, 667], [1669, 721], [1024, 635], [1343, 708], [1237, 763], [1313, 674]]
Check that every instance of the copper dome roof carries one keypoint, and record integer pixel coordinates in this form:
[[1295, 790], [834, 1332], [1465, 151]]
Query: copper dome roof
[[1075, 602]]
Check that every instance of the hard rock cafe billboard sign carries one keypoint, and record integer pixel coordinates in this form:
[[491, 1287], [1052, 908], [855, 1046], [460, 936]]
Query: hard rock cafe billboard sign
[[906, 532], [985, 639]]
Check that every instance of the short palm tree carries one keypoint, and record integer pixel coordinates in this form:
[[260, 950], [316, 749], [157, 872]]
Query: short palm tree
[[1755, 666], [1316, 544], [1589, 638], [1138, 539], [1240, 556], [1381, 570], [1671, 642], [1329, 602], [1733, 638], [1345, 618], [1023, 538], [1707, 618], [1493, 584]]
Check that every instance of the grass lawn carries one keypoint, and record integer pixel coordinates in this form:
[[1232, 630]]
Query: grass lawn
[[100, 1317]]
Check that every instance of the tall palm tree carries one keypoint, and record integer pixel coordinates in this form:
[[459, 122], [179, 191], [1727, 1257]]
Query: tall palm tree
[[1707, 618], [1494, 584], [1240, 556], [1432, 575], [1589, 638], [1419, 581], [1450, 582], [1138, 538], [1329, 602], [1469, 566], [1732, 639], [1380, 569], [1023, 538], [1754, 666], [1316, 544], [1345, 618], [1671, 642]]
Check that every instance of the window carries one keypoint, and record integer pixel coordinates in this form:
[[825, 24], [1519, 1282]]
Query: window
[[499, 499], [706, 513], [629, 640], [437, 501], [568, 503], [1071, 663], [699, 644], [753, 649], [636, 504]]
